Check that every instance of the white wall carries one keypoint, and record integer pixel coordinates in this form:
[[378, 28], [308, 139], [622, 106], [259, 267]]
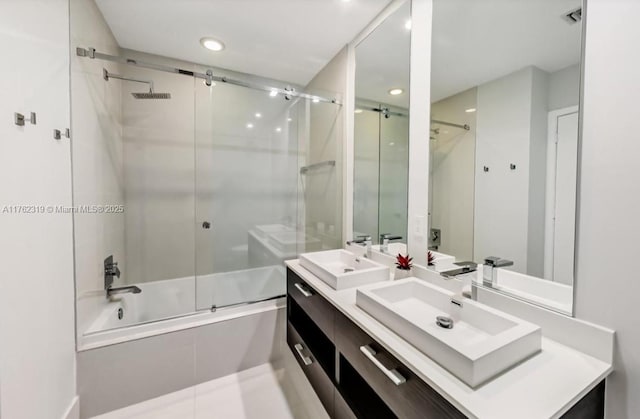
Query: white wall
[[609, 221], [509, 204], [538, 132], [452, 178], [417, 226], [564, 88], [37, 350], [97, 158]]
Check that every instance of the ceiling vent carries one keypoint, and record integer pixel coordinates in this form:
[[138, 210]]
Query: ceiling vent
[[574, 16]]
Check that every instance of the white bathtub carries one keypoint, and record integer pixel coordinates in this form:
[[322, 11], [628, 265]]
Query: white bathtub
[[175, 304]]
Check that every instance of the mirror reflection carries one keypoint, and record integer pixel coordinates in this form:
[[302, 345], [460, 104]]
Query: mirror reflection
[[504, 140], [381, 136]]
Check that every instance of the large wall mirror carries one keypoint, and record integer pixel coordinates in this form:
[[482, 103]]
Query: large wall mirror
[[381, 125], [505, 93]]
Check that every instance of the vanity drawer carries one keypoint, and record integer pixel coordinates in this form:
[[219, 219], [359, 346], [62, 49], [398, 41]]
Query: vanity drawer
[[321, 383], [316, 307], [410, 399], [341, 409]]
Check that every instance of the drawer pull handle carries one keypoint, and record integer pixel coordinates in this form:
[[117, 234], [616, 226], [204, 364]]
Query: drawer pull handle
[[305, 359], [392, 374], [302, 289]]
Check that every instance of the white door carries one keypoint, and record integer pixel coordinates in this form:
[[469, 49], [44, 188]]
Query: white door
[[565, 197]]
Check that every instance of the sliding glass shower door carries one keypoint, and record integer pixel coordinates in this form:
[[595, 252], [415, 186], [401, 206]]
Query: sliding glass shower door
[[246, 176]]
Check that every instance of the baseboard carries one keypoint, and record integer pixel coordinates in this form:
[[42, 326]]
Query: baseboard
[[73, 411]]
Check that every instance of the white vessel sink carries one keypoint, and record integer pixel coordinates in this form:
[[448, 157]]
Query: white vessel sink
[[482, 343], [341, 269]]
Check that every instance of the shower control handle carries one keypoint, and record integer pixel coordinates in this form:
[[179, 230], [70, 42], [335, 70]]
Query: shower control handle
[[206, 225]]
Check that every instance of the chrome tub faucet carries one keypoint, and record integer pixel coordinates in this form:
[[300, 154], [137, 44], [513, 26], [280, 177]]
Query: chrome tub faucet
[[110, 270]]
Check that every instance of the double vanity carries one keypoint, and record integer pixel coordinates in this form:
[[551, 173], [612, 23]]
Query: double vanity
[[373, 347]]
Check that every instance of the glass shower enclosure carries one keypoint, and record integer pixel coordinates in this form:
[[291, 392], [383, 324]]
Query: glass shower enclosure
[[212, 179]]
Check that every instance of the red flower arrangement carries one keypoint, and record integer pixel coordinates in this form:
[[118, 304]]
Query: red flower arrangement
[[404, 262], [430, 258]]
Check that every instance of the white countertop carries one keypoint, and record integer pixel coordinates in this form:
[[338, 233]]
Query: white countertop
[[544, 386]]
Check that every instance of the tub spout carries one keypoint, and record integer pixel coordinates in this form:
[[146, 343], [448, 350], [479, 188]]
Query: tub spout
[[123, 290]]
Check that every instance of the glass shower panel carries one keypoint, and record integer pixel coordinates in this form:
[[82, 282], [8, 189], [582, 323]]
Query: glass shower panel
[[134, 155], [320, 175], [246, 194], [394, 173], [366, 173]]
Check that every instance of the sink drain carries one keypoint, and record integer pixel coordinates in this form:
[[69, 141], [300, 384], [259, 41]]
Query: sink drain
[[444, 322], [346, 270]]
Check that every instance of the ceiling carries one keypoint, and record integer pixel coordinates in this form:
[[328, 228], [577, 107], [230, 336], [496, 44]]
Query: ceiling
[[382, 60], [288, 40], [478, 41], [474, 41]]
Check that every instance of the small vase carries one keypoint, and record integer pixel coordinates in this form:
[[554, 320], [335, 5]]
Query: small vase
[[402, 273]]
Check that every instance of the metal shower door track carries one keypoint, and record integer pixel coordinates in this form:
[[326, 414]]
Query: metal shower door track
[[208, 77]]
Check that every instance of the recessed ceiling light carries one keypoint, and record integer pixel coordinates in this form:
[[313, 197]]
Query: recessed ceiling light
[[358, 111], [258, 115], [289, 119], [396, 92], [470, 110], [407, 25], [212, 44], [273, 93], [278, 129], [249, 125]]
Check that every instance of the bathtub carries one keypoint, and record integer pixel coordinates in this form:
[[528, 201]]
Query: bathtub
[[175, 304]]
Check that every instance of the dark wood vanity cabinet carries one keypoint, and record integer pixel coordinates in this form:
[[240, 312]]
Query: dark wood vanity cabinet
[[356, 378], [349, 384], [412, 398]]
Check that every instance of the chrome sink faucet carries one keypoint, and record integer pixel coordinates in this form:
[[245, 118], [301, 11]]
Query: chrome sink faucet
[[364, 241], [490, 270], [385, 238]]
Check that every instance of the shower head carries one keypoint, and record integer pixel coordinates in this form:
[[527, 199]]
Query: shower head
[[148, 95], [151, 95]]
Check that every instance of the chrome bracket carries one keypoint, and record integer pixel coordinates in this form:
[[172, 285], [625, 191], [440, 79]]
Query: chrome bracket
[[19, 119], [57, 134]]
